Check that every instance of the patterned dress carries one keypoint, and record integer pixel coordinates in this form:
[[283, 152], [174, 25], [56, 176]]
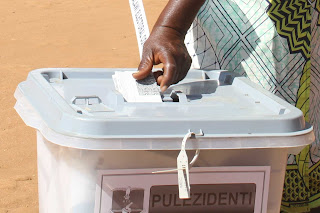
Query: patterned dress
[[275, 43]]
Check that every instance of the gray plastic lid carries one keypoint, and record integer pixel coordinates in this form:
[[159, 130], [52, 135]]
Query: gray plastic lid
[[83, 103]]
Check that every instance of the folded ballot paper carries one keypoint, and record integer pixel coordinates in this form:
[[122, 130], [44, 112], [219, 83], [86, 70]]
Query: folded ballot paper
[[133, 90]]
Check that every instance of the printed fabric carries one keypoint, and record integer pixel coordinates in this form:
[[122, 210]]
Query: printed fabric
[[275, 43]]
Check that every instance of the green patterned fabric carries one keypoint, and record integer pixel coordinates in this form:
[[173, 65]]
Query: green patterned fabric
[[275, 43]]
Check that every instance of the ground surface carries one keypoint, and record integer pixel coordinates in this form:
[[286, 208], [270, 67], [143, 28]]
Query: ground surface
[[53, 33]]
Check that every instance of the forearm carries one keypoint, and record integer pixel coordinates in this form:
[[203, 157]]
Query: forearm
[[179, 15]]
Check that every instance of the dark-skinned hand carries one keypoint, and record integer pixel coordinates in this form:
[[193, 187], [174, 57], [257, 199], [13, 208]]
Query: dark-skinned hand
[[165, 45]]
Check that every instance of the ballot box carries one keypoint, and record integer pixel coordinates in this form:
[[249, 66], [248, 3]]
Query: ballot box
[[215, 142]]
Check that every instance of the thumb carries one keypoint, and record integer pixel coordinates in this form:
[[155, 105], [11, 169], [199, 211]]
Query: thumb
[[145, 68]]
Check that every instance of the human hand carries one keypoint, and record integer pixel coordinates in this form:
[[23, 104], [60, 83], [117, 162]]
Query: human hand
[[165, 45]]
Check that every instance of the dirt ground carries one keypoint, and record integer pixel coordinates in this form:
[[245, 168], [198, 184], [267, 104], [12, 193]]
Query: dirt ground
[[53, 33]]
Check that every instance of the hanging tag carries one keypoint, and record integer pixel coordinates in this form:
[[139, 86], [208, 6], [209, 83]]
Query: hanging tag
[[183, 169], [183, 175]]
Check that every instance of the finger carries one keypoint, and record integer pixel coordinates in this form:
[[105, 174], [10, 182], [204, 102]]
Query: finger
[[185, 67], [180, 69], [177, 73], [169, 71], [159, 79], [145, 67], [157, 75]]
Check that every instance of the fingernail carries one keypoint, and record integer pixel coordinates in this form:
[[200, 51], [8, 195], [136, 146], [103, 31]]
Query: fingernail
[[163, 88], [135, 73]]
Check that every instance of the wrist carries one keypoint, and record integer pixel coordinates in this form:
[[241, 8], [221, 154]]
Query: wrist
[[178, 15], [172, 32]]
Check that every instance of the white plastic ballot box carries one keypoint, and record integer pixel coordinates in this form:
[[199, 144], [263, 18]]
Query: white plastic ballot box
[[99, 153]]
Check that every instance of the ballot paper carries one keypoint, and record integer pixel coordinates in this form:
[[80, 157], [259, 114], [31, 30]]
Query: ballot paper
[[133, 90]]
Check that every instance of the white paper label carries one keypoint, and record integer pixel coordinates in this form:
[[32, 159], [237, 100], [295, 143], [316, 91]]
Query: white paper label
[[205, 198], [215, 189]]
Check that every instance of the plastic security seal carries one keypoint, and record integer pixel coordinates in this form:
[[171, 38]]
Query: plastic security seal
[[183, 167], [183, 170]]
